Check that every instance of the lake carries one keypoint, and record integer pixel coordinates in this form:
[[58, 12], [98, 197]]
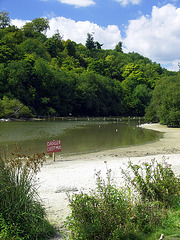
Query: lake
[[80, 135]]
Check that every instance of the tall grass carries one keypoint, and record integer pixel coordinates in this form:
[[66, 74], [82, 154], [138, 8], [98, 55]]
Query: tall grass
[[113, 213], [22, 215]]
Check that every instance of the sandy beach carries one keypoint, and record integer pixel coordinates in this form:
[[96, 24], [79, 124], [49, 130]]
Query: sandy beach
[[77, 172]]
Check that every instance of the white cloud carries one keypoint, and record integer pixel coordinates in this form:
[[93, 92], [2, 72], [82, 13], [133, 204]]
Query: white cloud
[[78, 3], [18, 22], [126, 2], [77, 31], [172, 66], [157, 36], [49, 15]]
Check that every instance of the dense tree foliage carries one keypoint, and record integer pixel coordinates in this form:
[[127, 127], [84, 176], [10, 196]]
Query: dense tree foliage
[[51, 76], [4, 19], [90, 44], [165, 103], [13, 108]]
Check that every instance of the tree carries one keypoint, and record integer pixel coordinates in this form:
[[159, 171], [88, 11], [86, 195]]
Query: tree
[[54, 45], [9, 44], [28, 29], [97, 95], [165, 102], [45, 74], [3, 81], [40, 24], [4, 19], [6, 53], [33, 46], [21, 82], [98, 66], [98, 45], [70, 47], [140, 99], [13, 108], [90, 44], [118, 47], [70, 63], [134, 83], [54, 89]]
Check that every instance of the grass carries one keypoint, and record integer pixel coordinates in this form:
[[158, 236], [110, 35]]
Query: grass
[[22, 215], [170, 226]]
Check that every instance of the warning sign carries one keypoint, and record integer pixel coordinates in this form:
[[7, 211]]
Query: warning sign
[[54, 146]]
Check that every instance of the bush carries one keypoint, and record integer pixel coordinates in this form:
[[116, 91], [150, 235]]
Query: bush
[[105, 213], [154, 182], [22, 215], [148, 216], [111, 213]]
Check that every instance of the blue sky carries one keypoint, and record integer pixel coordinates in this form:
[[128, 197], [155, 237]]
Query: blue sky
[[149, 27]]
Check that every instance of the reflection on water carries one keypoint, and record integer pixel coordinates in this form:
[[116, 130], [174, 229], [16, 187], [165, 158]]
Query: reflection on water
[[76, 136]]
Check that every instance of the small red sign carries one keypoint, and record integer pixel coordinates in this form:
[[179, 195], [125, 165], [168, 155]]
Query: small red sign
[[54, 146]]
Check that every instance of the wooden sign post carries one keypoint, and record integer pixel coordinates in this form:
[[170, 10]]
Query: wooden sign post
[[54, 146]]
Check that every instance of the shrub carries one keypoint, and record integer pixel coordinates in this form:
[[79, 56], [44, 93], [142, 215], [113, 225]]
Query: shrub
[[148, 216], [111, 213], [22, 213], [154, 182], [102, 214]]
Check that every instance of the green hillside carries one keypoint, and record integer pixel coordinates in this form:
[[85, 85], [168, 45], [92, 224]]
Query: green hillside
[[54, 77]]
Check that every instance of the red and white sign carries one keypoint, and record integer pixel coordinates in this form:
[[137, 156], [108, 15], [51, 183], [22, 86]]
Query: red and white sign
[[54, 146]]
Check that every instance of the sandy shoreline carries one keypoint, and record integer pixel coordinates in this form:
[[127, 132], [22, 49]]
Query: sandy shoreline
[[75, 173]]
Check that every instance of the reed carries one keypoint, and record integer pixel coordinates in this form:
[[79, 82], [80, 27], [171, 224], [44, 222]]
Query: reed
[[22, 214]]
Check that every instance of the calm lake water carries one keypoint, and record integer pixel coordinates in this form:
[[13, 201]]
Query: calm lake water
[[76, 135]]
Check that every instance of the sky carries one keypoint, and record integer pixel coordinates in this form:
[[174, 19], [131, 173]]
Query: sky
[[149, 27]]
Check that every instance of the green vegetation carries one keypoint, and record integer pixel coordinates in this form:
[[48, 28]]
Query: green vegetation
[[51, 76], [154, 182], [22, 215], [146, 208], [165, 103], [13, 108]]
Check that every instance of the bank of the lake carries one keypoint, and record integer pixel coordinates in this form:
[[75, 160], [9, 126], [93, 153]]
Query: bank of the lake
[[77, 172]]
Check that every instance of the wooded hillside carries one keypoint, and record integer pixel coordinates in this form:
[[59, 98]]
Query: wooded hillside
[[51, 76]]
